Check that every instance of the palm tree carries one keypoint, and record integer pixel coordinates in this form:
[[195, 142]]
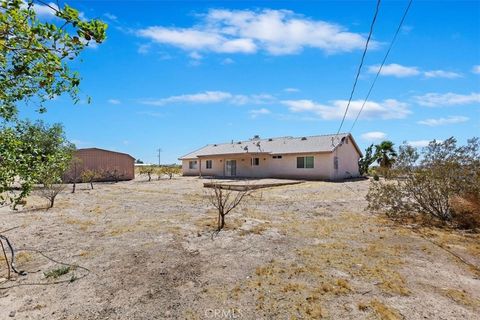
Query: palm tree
[[385, 154]]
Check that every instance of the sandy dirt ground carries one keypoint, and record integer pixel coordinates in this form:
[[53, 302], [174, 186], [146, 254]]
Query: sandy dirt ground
[[146, 250]]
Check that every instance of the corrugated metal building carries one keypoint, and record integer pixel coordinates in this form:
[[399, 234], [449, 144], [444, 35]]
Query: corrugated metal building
[[109, 165]]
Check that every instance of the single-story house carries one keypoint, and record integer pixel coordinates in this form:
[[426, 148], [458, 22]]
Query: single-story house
[[322, 157], [108, 165]]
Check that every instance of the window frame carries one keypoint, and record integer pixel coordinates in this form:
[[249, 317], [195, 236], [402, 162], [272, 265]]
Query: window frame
[[255, 162], [208, 164], [192, 164], [303, 163]]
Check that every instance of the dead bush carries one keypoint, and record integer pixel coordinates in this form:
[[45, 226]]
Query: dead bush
[[148, 171], [466, 211], [88, 176], [225, 200], [50, 192], [433, 186]]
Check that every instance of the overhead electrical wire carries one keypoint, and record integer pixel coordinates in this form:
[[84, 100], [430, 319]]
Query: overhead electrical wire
[[383, 62], [360, 66]]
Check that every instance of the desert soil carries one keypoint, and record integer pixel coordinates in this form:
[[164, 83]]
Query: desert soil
[[147, 250]]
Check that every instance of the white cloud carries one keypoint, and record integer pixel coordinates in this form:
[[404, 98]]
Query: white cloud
[[374, 136], [420, 143], [228, 61], [151, 114], [276, 32], [144, 48], [442, 74], [443, 121], [399, 71], [110, 16], [212, 97], [195, 55], [291, 90], [386, 109], [476, 69], [189, 39], [45, 11], [114, 101], [258, 112], [447, 99], [395, 70]]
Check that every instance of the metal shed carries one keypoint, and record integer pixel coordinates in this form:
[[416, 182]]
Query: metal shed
[[109, 165]]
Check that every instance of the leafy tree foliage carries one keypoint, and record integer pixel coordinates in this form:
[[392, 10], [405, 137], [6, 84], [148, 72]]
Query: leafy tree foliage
[[407, 158], [385, 154], [31, 153], [89, 176], [169, 171], [368, 159], [34, 57], [33, 53], [148, 171]]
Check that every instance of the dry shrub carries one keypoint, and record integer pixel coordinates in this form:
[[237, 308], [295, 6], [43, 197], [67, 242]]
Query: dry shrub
[[225, 200], [433, 187], [466, 211]]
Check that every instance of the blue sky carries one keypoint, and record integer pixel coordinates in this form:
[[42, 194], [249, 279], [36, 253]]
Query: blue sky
[[178, 75]]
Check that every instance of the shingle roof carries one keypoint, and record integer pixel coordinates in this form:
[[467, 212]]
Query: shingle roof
[[281, 145]]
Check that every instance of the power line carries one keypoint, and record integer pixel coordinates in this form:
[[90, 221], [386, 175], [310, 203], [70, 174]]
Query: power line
[[360, 66], [383, 62]]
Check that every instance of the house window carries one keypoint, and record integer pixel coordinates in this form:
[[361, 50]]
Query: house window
[[277, 157], [305, 162], [208, 164], [255, 161], [335, 163], [192, 164]]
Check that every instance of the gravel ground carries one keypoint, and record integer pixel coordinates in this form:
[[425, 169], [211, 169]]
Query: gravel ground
[[147, 250]]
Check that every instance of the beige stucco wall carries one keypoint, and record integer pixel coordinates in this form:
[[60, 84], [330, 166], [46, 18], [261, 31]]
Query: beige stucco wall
[[347, 161], [286, 167]]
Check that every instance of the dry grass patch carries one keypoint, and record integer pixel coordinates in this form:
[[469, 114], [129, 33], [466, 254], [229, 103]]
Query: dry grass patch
[[383, 311], [293, 290], [23, 257], [462, 297], [82, 224]]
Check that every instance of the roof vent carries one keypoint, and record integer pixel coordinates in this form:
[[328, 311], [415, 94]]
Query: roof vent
[[239, 142], [214, 145], [303, 138], [270, 139], [256, 137]]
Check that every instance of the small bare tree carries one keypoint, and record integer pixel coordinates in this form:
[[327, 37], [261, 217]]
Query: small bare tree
[[170, 171], [148, 170], [88, 176], [50, 192], [224, 199], [113, 175], [74, 174]]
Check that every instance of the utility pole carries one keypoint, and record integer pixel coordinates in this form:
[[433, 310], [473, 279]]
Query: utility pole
[[159, 156]]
